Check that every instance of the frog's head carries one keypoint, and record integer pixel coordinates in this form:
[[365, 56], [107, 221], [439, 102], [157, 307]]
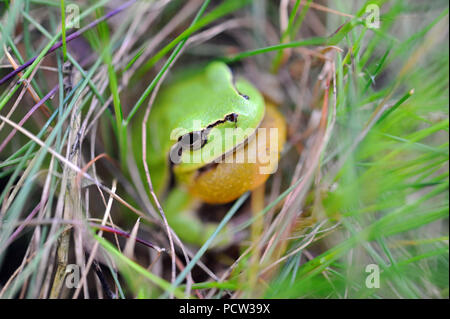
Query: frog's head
[[224, 114], [239, 172]]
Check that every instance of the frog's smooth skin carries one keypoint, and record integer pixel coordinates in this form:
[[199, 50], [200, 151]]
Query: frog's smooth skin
[[195, 103]]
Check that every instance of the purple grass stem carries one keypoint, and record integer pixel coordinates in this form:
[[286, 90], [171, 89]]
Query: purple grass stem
[[27, 116]]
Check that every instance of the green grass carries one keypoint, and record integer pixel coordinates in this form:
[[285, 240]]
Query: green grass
[[372, 180]]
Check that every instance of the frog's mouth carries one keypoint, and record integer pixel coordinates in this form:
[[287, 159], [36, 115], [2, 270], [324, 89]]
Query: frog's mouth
[[210, 166]]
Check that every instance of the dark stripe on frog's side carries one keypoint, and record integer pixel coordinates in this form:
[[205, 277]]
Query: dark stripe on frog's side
[[232, 117]]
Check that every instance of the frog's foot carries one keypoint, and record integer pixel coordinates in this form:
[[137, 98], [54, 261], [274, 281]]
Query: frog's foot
[[192, 230], [190, 226]]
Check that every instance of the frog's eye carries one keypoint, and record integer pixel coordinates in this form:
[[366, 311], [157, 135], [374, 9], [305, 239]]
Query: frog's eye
[[175, 153], [192, 141]]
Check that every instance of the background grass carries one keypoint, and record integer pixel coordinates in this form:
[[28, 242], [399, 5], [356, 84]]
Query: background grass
[[363, 178]]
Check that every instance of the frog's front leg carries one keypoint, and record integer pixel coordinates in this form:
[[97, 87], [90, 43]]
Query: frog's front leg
[[180, 209]]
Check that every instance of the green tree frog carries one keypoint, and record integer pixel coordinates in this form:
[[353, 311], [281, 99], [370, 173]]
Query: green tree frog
[[188, 138]]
